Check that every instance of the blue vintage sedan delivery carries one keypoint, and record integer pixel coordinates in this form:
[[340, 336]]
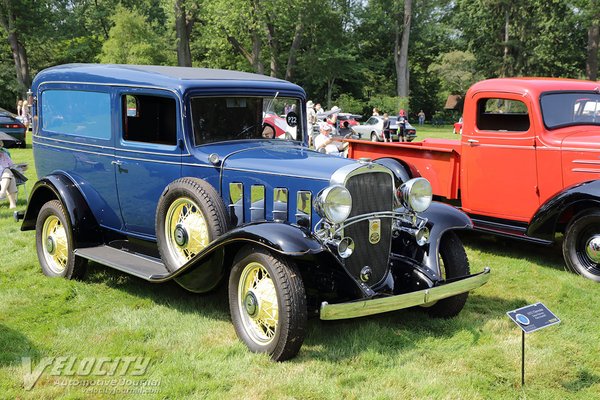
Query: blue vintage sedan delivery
[[171, 173]]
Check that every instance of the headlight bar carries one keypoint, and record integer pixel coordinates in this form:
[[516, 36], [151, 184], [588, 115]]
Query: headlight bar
[[412, 224]]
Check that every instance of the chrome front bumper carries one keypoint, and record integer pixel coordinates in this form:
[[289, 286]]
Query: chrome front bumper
[[377, 306]]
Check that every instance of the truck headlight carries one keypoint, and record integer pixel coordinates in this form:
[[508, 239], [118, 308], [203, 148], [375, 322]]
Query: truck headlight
[[334, 203], [415, 194]]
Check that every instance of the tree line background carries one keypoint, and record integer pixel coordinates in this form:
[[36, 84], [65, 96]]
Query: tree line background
[[357, 54]]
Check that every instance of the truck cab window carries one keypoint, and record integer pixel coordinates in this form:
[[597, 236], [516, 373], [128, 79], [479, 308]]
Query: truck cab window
[[502, 115]]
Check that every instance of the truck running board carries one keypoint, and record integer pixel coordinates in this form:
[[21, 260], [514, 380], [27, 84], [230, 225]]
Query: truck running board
[[132, 263], [506, 230]]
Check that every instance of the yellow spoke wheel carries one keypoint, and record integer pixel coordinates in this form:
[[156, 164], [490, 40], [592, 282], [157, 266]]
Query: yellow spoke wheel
[[54, 243], [267, 302], [186, 230], [257, 301]]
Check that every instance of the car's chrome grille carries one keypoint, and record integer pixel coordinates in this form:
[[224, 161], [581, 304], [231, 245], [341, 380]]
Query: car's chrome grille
[[370, 192]]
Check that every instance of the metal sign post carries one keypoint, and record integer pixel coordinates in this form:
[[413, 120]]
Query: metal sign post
[[523, 358], [530, 319]]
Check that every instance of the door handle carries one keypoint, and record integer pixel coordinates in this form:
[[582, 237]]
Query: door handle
[[473, 142], [119, 165]]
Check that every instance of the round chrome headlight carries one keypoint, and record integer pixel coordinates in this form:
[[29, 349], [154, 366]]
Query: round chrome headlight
[[415, 194], [334, 203]]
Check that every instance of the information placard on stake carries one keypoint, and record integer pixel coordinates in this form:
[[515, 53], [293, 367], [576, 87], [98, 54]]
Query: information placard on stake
[[533, 317], [530, 319]]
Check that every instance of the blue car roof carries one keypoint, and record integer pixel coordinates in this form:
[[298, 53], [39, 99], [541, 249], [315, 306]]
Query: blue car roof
[[178, 78]]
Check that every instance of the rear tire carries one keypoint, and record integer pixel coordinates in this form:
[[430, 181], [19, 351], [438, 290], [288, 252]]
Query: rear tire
[[453, 263], [581, 245], [374, 137], [54, 243], [268, 303]]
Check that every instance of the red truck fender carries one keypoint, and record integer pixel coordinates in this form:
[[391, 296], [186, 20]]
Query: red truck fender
[[556, 212]]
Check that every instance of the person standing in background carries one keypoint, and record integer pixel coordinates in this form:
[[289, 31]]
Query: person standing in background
[[20, 109], [311, 120], [421, 117], [385, 131], [25, 115], [401, 124]]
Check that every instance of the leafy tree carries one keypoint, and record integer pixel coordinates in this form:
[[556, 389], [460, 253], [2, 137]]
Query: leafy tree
[[456, 71], [530, 38], [132, 40]]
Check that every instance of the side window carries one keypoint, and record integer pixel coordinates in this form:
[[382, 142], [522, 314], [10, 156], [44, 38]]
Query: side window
[[149, 119], [502, 115], [74, 112]]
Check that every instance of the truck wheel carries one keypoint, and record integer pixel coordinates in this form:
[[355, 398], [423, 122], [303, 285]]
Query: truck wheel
[[581, 245], [54, 243], [190, 215], [267, 303], [453, 264], [374, 137]]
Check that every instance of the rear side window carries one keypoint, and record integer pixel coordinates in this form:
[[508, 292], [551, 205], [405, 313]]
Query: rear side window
[[149, 119], [74, 112], [502, 115]]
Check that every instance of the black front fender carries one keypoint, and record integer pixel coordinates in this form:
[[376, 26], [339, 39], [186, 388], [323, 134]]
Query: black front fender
[[62, 188], [571, 200], [440, 218], [208, 268]]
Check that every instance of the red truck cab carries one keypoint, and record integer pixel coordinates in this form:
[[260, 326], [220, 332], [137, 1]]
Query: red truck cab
[[527, 164]]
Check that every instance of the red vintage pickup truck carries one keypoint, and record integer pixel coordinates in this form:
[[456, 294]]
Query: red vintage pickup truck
[[527, 164]]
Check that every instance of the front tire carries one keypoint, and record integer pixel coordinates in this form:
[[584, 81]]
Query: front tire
[[453, 264], [581, 245], [54, 243], [374, 137], [268, 303]]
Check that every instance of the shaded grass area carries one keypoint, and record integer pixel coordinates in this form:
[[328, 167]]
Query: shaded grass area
[[194, 351]]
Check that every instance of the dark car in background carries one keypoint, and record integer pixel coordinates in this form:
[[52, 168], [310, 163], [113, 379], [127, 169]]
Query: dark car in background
[[10, 124]]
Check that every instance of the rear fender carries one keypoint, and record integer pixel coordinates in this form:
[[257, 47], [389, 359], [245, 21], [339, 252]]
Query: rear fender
[[569, 202], [60, 187]]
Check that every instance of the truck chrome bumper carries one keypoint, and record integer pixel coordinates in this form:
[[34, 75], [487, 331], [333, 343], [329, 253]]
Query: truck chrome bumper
[[376, 306]]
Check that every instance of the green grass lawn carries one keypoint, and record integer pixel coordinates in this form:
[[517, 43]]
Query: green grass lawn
[[437, 132], [194, 352]]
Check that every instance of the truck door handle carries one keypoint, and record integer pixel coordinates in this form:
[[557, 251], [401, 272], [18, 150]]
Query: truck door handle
[[116, 162], [473, 141]]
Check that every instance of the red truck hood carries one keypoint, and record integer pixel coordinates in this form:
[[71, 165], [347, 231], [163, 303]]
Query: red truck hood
[[582, 138], [581, 155]]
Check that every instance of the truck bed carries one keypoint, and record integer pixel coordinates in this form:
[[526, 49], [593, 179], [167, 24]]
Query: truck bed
[[437, 160]]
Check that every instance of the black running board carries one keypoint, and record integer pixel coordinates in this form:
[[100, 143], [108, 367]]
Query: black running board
[[506, 230], [144, 267]]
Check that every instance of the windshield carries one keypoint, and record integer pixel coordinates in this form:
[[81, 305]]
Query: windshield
[[564, 109], [217, 119]]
